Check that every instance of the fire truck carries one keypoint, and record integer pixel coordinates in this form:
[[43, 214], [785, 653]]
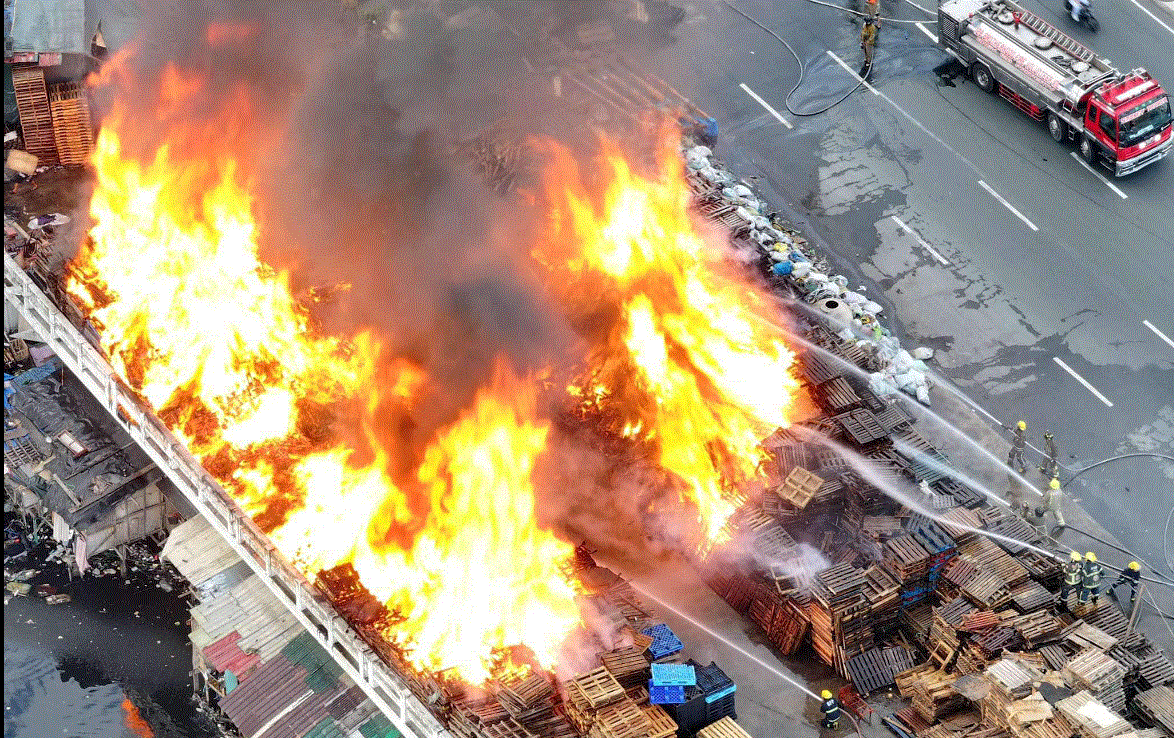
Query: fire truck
[[1120, 121]]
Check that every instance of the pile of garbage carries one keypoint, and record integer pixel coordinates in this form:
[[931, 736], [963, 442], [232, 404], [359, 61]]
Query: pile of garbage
[[789, 264]]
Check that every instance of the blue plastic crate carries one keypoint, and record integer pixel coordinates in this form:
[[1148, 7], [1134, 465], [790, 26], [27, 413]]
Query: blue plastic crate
[[673, 675], [664, 641], [665, 695]]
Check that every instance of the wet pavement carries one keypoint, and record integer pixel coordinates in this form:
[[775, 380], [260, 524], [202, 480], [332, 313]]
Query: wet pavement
[[908, 190]]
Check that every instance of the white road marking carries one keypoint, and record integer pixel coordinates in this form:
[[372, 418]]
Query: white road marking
[[1083, 381], [920, 240], [1156, 19], [852, 72], [1160, 335], [1097, 174], [933, 36], [1008, 205], [766, 105]]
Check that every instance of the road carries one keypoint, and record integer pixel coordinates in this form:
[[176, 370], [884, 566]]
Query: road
[[1043, 286]]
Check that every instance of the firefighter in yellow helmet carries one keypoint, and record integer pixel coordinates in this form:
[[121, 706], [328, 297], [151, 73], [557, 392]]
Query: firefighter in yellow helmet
[[1053, 503], [1072, 577], [1130, 575], [1015, 457], [868, 40], [1090, 579], [830, 707]]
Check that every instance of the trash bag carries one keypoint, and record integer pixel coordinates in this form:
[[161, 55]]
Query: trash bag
[[801, 268], [743, 191], [923, 353], [704, 151], [923, 395], [872, 308], [781, 269]]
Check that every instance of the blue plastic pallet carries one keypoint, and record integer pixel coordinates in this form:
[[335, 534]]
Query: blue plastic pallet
[[665, 695], [673, 675], [664, 643]]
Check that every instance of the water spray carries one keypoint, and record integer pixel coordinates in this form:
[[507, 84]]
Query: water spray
[[869, 471], [938, 466], [723, 639], [912, 403]]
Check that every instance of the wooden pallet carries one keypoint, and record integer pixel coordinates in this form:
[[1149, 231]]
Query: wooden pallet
[[621, 719], [662, 726], [73, 131], [36, 117], [1091, 718], [724, 728], [1157, 707], [627, 665], [799, 487], [597, 688]]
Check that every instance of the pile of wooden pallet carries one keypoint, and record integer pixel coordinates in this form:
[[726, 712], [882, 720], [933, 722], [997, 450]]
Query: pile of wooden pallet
[[530, 701], [587, 693], [929, 691], [1100, 674], [1090, 718], [1156, 706], [36, 117], [73, 132]]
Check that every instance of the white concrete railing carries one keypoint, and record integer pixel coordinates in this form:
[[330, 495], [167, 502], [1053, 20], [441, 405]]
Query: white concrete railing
[[385, 689]]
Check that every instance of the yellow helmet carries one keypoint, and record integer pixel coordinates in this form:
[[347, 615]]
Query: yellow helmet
[[1022, 425], [1090, 556], [826, 694], [1135, 566], [1076, 556], [1054, 484]]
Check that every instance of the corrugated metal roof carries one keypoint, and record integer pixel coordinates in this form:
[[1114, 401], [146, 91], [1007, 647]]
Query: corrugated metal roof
[[289, 685], [50, 25], [249, 609], [198, 551], [226, 655]]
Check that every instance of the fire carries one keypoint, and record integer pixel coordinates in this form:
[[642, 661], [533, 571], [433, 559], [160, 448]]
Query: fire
[[212, 338], [689, 365]]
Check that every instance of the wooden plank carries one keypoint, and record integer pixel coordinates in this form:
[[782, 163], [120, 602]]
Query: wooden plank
[[36, 118], [724, 728]]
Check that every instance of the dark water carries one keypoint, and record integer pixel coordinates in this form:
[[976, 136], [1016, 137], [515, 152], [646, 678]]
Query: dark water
[[112, 662], [40, 702]]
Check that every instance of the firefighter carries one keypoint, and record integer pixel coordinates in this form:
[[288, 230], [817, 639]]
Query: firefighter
[[1053, 502], [1072, 578], [1015, 457], [1090, 579], [1130, 575], [868, 40], [830, 707], [1051, 467]]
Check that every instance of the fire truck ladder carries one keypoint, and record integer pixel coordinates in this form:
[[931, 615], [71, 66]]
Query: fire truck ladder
[[1045, 29]]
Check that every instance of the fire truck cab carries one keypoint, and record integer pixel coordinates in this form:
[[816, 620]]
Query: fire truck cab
[[1121, 121]]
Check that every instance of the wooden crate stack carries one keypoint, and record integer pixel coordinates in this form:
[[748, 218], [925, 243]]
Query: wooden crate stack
[[1099, 674], [620, 719], [530, 701], [470, 717], [662, 724], [724, 728], [841, 618], [929, 691], [628, 665], [883, 593], [1009, 682], [1091, 718], [73, 132], [908, 560], [1156, 706], [1037, 628], [36, 117], [588, 693]]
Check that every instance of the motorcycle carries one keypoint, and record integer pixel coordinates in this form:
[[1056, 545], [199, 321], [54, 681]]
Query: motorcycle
[[1085, 15]]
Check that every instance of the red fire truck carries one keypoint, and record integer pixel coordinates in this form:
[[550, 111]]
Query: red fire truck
[[1121, 121]]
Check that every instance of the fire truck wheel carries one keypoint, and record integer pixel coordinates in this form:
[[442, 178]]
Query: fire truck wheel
[[1057, 127], [1088, 150], [983, 77]]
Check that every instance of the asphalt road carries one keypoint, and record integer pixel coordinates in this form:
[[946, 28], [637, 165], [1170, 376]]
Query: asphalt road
[[984, 238]]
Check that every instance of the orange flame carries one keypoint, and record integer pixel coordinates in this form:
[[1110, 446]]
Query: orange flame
[[691, 366], [212, 338]]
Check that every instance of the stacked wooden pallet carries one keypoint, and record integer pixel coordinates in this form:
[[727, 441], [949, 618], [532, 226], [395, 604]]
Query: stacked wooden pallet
[[73, 132], [1091, 718], [472, 717], [1099, 674], [724, 728], [628, 665], [528, 699], [930, 692], [883, 593], [995, 560], [588, 693], [661, 724], [36, 117], [1156, 706], [799, 487], [620, 719], [1037, 628], [965, 521]]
